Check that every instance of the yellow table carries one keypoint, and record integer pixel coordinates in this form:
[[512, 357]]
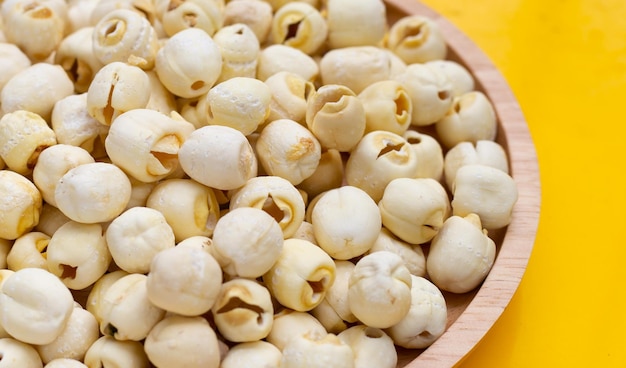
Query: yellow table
[[566, 63]]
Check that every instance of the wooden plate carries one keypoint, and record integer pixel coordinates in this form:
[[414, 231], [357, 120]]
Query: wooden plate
[[471, 315]]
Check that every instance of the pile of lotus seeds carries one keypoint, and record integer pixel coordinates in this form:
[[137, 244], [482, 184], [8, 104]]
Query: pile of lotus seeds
[[243, 183]]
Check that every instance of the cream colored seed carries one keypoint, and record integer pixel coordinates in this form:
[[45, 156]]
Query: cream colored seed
[[287, 149], [241, 103], [53, 163], [125, 36], [93, 192], [29, 250], [12, 61], [177, 16], [485, 191], [426, 320], [356, 67], [77, 253], [430, 91], [336, 116], [461, 255], [179, 341], [37, 28], [413, 255], [109, 352], [247, 242], [276, 58], [290, 93], [126, 311], [219, 157], [379, 158], [136, 236], [190, 208], [275, 195], [115, 89], [346, 222], [184, 280], [414, 209], [430, 158], [462, 80], [372, 347], [243, 311], [23, 135], [36, 89], [299, 25], [75, 54], [79, 333], [18, 354], [471, 118], [20, 205], [482, 152], [317, 351], [380, 282], [240, 49], [255, 14], [35, 306], [145, 143], [289, 323], [301, 276], [254, 353], [73, 125], [416, 39], [189, 63], [387, 106], [346, 26]]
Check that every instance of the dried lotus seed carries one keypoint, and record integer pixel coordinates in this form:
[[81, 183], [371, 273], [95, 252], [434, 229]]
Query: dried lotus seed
[[219, 157], [93, 192], [136, 236], [299, 25], [20, 205], [243, 310], [23, 136], [461, 254], [185, 280], [346, 26], [124, 35], [380, 282], [470, 118], [36, 89], [35, 306], [189, 63], [346, 222], [416, 39], [77, 253], [179, 341]]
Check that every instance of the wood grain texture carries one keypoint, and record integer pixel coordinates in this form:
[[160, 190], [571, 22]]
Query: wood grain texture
[[472, 315]]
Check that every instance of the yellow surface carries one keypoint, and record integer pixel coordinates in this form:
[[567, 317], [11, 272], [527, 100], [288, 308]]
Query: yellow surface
[[566, 63]]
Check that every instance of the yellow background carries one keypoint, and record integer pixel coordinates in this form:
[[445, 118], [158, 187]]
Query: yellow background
[[566, 63]]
